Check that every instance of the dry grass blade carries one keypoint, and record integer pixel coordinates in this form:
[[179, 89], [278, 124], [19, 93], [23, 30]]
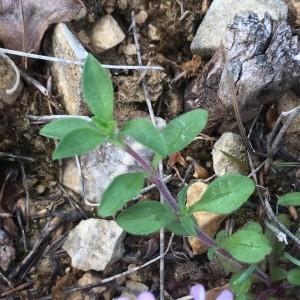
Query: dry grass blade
[[237, 111], [273, 145]]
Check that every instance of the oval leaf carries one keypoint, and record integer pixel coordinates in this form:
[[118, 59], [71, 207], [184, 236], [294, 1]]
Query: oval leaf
[[293, 276], [122, 189], [77, 142], [145, 217], [247, 246], [97, 89], [144, 132], [225, 194], [57, 129], [181, 131], [290, 199]]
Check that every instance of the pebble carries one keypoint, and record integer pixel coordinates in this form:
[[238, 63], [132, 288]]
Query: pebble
[[106, 34], [95, 244], [208, 222], [141, 17], [67, 77], [129, 49], [232, 144], [221, 13], [135, 286], [286, 103]]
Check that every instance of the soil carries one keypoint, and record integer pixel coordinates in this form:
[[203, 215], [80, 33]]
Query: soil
[[28, 173]]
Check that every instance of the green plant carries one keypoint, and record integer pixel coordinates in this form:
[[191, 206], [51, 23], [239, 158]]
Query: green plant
[[224, 195]]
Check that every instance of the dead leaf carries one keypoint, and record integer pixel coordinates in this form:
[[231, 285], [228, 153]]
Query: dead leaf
[[24, 22]]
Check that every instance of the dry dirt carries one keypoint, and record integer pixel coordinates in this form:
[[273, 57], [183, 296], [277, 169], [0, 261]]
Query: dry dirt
[[26, 165]]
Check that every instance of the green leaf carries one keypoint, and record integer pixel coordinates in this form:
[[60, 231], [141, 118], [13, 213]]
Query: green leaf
[[97, 89], [189, 223], [290, 199], [224, 195], [292, 259], [293, 276], [122, 189], [278, 274], [241, 283], [176, 227], [144, 132], [247, 246], [181, 131], [255, 226], [77, 142], [145, 217], [181, 197], [57, 129]]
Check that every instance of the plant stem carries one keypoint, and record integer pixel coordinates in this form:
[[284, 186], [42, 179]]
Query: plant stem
[[203, 237]]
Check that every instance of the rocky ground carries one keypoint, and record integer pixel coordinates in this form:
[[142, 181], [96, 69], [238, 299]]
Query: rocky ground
[[43, 200]]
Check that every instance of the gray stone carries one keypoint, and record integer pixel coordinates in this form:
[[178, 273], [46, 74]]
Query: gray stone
[[232, 144], [221, 13], [67, 76], [100, 166], [94, 244], [106, 34]]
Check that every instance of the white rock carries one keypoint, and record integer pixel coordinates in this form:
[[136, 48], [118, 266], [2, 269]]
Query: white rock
[[221, 13], [232, 144], [141, 17], [106, 34], [152, 33], [129, 49], [287, 102], [94, 244], [65, 76], [100, 166], [135, 286]]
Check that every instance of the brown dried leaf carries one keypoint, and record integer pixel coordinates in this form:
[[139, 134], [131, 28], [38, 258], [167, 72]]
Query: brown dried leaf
[[24, 22]]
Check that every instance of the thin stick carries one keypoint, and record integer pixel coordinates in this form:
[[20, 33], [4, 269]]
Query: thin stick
[[160, 167], [237, 111], [74, 62], [31, 80]]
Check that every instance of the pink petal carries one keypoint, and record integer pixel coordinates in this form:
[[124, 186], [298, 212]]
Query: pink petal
[[145, 296], [225, 295], [197, 292]]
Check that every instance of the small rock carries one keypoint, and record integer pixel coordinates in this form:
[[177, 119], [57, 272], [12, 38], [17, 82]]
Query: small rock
[[221, 13], [209, 222], [83, 37], [106, 34], [67, 77], [87, 279], [7, 255], [232, 144], [94, 244], [287, 102], [123, 4], [129, 49], [135, 286], [141, 17], [152, 33]]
